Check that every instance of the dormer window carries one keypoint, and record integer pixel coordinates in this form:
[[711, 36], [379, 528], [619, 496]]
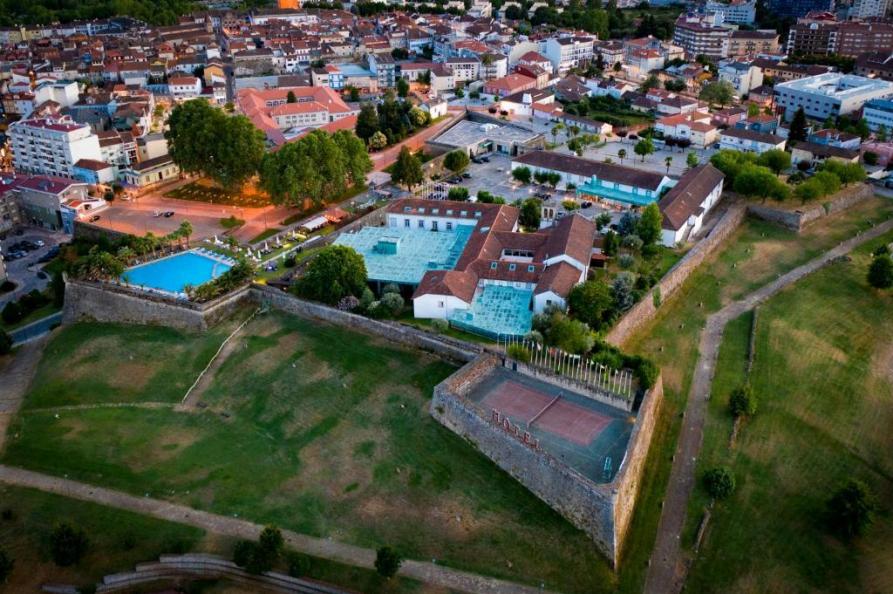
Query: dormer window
[[493, 265], [531, 268], [477, 214], [512, 267], [463, 213]]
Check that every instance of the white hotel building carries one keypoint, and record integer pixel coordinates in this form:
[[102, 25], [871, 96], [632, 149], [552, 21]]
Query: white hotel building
[[52, 146], [830, 94]]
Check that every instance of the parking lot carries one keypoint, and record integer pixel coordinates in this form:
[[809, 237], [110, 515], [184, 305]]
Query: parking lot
[[495, 177], [25, 271]]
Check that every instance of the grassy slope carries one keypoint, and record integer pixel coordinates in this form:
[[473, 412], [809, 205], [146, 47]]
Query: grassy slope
[[323, 431], [755, 255], [823, 372]]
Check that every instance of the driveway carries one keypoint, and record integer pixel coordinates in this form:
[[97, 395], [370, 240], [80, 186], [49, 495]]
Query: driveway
[[385, 158]]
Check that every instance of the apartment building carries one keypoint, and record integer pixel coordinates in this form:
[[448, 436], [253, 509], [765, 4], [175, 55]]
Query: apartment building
[[51, 146], [702, 35], [464, 69], [877, 113], [799, 8], [752, 43], [832, 94], [741, 12], [568, 52], [183, 88], [863, 9], [832, 37]]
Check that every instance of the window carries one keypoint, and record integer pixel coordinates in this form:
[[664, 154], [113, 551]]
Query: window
[[440, 304], [434, 225], [449, 226], [493, 265], [406, 223], [531, 268], [512, 267], [421, 224]]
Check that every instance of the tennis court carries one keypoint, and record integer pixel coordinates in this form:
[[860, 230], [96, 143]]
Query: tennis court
[[585, 434]]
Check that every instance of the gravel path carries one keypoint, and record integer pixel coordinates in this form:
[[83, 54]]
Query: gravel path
[[666, 573]]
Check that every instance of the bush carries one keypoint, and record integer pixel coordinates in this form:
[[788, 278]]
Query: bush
[[12, 313], [68, 545], [392, 303], [626, 261], [348, 303], [518, 352], [870, 158], [262, 556], [387, 562], [6, 565], [632, 242], [290, 262], [458, 193], [850, 509], [719, 482], [880, 273], [743, 402], [440, 326], [243, 552], [298, 565], [32, 301], [390, 288]]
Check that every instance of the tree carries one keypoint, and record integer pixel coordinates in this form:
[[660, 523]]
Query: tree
[[6, 565], [337, 271], [456, 161], [692, 160], [622, 154], [847, 173], [775, 159], [668, 161], [378, 141], [649, 227], [798, 128], [68, 545], [367, 122], [870, 158], [387, 562], [5, 342], [719, 482], [402, 87], [521, 174], [419, 117], [12, 313], [651, 82], [880, 273], [531, 214], [458, 193], [459, 93], [290, 98], [644, 148], [850, 510], [555, 131], [743, 401], [602, 221], [754, 180], [611, 243], [591, 303], [622, 291], [407, 169], [185, 230], [881, 133], [721, 92]]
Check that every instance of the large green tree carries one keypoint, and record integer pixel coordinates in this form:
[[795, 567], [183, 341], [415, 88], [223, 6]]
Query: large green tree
[[456, 161], [336, 272], [367, 122], [850, 509], [644, 148], [592, 303], [719, 93], [531, 214], [880, 273], [649, 226], [407, 170], [776, 159], [798, 130]]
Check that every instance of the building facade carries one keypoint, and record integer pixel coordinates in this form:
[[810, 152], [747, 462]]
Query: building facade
[[51, 146], [829, 95]]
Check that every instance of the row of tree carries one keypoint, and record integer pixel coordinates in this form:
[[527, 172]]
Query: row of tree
[[389, 122]]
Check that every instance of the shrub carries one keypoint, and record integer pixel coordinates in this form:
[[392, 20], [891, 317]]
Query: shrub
[[243, 552], [290, 262], [33, 300], [440, 326], [392, 303], [570, 205], [68, 545], [12, 313], [850, 509], [6, 565], [742, 401], [632, 242], [367, 299], [387, 562], [298, 565], [348, 303], [719, 482], [458, 193], [870, 158], [518, 352], [880, 273], [390, 288], [626, 261]]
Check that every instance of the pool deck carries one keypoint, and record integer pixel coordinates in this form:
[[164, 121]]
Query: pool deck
[[203, 252]]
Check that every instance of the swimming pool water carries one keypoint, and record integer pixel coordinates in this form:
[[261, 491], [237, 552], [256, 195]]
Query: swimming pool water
[[173, 273]]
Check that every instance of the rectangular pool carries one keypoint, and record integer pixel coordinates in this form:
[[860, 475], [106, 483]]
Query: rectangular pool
[[173, 273]]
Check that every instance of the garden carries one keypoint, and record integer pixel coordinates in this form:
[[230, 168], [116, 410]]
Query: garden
[[206, 191]]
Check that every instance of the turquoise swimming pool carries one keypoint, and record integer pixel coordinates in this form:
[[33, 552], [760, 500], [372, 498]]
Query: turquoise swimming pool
[[174, 273]]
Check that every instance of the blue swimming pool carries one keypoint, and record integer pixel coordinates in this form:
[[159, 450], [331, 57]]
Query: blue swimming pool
[[173, 273]]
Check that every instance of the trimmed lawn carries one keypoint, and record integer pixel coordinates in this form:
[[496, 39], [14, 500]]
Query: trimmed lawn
[[324, 431], [756, 254], [102, 363], [206, 191], [265, 234], [824, 355]]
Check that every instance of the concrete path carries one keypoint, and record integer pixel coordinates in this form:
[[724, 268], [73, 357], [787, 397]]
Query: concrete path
[[328, 549], [16, 373], [668, 567], [35, 329]]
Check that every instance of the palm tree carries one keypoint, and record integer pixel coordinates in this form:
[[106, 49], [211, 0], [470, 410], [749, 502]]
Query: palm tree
[[668, 160], [185, 230], [621, 153]]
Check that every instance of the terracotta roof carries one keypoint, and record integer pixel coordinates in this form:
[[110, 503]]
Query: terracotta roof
[[448, 282], [587, 168], [92, 164], [826, 150], [685, 198], [572, 236], [559, 278]]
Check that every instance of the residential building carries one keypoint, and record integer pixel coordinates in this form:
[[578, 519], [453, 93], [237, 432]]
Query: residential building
[[753, 43], [863, 9], [464, 70], [742, 76], [383, 67], [151, 172], [183, 88], [509, 85], [829, 95], [740, 12], [609, 182], [568, 52], [687, 203], [94, 172], [51, 146], [280, 120], [10, 212], [737, 139], [702, 35], [833, 137], [875, 65], [729, 116], [798, 8], [696, 127], [41, 199], [842, 38], [812, 153]]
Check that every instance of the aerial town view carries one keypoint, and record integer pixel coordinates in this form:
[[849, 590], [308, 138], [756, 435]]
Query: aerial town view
[[446, 296]]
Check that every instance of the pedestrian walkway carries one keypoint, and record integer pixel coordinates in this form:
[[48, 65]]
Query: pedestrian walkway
[[429, 573], [667, 569]]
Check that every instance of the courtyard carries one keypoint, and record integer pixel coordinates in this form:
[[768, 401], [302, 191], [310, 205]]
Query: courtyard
[[311, 427]]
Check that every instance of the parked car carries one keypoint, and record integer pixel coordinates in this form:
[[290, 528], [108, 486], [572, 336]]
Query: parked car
[[485, 159], [586, 204], [466, 175], [94, 218], [168, 214]]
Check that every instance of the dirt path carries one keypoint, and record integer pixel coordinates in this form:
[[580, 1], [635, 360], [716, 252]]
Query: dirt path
[[668, 566], [328, 549], [16, 373]]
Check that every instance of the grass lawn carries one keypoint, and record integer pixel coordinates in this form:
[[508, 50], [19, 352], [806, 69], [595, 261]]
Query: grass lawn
[[205, 191], [758, 253], [265, 234], [347, 194], [824, 374], [119, 540], [95, 363], [313, 428]]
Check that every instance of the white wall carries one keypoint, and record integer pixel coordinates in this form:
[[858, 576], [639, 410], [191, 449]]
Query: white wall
[[436, 306]]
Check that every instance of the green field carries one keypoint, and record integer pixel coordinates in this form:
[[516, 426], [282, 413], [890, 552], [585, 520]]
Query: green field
[[755, 255], [206, 191], [311, 427], [823, 370]]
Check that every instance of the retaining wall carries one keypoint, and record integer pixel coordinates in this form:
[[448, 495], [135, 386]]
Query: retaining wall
[[797, 220], [603, 511], [106, 302], [642, 312], [406, 335]]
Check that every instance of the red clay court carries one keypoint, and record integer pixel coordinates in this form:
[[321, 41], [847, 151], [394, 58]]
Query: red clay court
[[559, 417]]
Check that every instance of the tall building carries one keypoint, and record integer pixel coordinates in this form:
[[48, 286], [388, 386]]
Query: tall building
[[702, 35], [798, 8], [742, 12], [863, 9], [831, 37], [829, 95], [51, 146]]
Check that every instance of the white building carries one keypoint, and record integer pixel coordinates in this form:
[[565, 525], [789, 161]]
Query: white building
[[877, 113], [702, 35], [64, 93], [568, 52], [737, 139], [686, 205], [863, 9], [184, 87], [52, 146], [743, 77], [830, 94], [741, 12]]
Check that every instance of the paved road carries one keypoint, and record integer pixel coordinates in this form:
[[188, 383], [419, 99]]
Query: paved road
[[666, 573], [23, 272], [328, 549], [388, 156]]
